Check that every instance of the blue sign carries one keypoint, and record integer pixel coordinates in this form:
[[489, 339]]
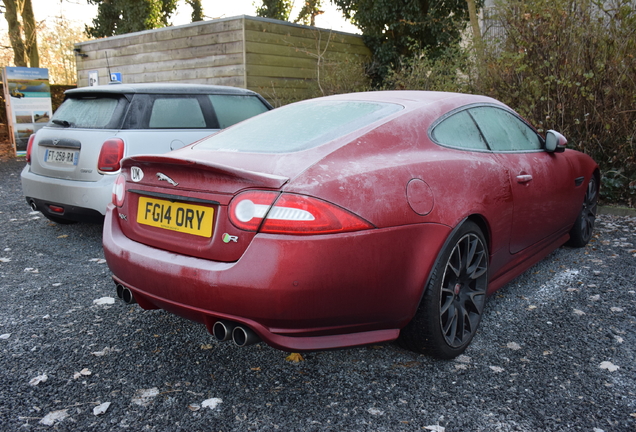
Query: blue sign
[[115, 76]]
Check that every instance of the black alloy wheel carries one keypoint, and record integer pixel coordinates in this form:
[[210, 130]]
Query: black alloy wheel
[[581, 231], [452, 306]]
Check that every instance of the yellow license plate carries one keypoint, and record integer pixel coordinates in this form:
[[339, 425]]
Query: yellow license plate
[[176, 216]]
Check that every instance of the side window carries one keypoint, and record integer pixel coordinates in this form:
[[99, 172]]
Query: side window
[[459, 130], [504, 131], [231, 109], [176, 113]]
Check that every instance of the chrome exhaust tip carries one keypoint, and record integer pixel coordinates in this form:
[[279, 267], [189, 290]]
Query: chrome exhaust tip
[[125, 294], [244, 336], [222, 330], [33, 206]]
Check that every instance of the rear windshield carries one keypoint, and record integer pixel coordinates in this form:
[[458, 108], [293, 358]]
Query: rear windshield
[[231, 109], [299, 126], [93, 113]]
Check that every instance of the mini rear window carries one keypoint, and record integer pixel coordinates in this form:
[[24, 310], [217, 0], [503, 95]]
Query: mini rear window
[[232, 109], [91, 113], [176, 113], [299, 127]]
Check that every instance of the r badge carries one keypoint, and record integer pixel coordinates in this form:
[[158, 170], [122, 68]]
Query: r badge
[[229, 238]]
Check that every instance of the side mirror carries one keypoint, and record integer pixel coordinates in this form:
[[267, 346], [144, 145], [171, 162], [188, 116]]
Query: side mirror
[[555, 142]]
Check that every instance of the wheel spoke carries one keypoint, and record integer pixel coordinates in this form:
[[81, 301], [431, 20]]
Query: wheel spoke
[[463, 291], [450, 327]]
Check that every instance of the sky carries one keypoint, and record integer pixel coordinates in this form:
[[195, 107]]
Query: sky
[[80, 13]]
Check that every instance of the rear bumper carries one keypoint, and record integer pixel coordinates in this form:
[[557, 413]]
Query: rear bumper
[[297, 293], [81, 200]]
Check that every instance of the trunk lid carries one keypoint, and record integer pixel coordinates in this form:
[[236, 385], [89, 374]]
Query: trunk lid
[[181, 205]]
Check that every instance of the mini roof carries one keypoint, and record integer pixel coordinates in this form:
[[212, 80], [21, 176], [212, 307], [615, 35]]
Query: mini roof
[[160, 88]]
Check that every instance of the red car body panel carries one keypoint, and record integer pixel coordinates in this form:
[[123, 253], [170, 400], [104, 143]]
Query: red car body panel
[[309, 292]]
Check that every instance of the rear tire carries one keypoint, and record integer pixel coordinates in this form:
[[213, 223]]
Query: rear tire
[[453, 302], [581, 232]]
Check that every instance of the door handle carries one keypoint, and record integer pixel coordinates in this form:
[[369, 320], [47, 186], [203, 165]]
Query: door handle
[[524, 178]]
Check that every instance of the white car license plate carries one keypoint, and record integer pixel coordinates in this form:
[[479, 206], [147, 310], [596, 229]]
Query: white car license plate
[[62, 157]]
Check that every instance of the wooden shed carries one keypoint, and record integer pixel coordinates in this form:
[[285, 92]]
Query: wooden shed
[[280, 60]]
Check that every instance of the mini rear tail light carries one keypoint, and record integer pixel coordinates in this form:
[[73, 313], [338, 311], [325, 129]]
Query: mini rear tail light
[[56, 209], [119, 190], [29, 148], [110, 156], [291, 214]]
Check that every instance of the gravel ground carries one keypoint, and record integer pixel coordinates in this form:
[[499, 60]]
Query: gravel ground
[[555, 351]]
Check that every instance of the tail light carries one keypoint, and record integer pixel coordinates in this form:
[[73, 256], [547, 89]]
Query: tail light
[[29, 148], [270, 212], [119, 190], [110, 156]]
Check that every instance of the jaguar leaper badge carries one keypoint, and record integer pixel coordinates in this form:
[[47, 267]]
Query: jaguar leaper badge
[[163, 177]]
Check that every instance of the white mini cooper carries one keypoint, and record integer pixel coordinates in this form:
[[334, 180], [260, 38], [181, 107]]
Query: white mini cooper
[[71, 161]]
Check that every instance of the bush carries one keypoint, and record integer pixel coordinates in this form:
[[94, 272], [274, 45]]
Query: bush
[[569, 65]]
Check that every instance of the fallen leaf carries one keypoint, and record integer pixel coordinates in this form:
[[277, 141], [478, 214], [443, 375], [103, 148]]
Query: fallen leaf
[[211, 403], [101, 409], [54, 416], [531, 307], [609, 366], [5, 336], [256, 369], [435, 428], [63, 236], [194, 407], [596, 297], [144, 397], [578, 312], [513, 346], [206, 347], [105, 351], [98, 260], [5, 260], [295, 357], [616, 309], [83, 372], [38, 379], [375, 411], [496, 369], [104, 301]]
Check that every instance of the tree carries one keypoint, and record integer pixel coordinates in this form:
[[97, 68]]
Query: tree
[[115, 17], [275, 9], [400, 28], [57, 40], [309, 12], [22, 32], [197, 10]]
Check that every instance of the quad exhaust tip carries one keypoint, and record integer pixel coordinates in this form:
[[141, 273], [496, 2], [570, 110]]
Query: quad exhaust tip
[[242, 336], [125, 294]]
